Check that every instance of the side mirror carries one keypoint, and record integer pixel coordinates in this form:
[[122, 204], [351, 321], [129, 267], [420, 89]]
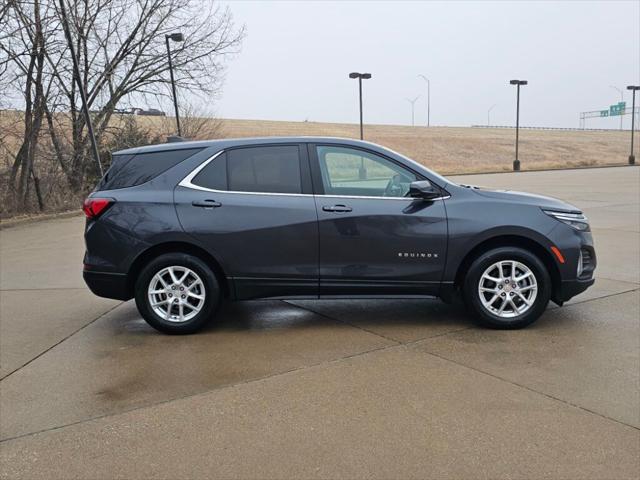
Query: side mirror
[[423, 189]]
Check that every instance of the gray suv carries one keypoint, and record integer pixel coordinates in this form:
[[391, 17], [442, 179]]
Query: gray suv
[[182, 226]]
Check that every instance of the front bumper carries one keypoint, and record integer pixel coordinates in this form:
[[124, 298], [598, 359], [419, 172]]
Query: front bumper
[[108, 285], [576, 272], [570, 288]]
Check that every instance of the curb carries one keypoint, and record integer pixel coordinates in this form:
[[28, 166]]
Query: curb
[[17, 221], [493, 172], [22, 220]]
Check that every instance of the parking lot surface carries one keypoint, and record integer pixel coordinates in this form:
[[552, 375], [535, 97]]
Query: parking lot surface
[[324, 389]]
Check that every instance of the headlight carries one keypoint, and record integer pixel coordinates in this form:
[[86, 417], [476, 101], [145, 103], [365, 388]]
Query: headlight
[[574, 220]]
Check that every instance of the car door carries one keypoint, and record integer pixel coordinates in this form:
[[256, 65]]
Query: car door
[[374, 240], [252, 208]]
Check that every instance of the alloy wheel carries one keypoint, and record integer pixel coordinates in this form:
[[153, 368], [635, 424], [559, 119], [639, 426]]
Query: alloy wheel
[[176, 294], [508, 288]]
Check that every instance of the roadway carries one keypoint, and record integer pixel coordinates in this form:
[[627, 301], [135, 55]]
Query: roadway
[[324, 389]]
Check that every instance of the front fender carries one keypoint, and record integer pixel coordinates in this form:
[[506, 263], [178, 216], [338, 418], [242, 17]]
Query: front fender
[[462, 245]]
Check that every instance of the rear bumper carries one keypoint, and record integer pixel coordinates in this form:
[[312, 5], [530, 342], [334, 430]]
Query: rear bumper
[[570, 288], [108, 285]]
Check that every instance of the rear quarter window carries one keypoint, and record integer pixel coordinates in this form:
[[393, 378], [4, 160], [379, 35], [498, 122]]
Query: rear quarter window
[[131, 170]]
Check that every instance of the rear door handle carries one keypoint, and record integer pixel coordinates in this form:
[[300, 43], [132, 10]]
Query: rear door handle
[[336, 208], [206, 203]]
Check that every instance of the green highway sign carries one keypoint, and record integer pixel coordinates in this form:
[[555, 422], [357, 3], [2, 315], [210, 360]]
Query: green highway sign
[[604, 113], [617, 109]]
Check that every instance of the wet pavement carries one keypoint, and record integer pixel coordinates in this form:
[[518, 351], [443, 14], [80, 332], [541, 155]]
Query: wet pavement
[[324, 389]]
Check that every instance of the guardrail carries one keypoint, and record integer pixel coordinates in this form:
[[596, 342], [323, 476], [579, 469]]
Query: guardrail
[[558, 128]]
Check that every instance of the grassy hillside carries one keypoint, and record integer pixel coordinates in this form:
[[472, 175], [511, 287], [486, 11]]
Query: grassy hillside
[[446, 149], [456, 150]]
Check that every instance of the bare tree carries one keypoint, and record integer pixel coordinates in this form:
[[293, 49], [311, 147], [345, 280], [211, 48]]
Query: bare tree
[[121, 45], [197, 124], [23, 48], [122, 56]]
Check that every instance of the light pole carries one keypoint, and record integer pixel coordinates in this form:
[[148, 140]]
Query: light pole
[[622, 100], [518, 83], [428, 99], [176, 37], [413, 109], [489, 114], [360, 77], [633, 88]]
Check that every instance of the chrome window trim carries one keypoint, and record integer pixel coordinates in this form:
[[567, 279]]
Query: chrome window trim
[[187, 182], [381, 198]]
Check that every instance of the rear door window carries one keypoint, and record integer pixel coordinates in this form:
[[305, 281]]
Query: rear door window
[[268, 169], [132, 170]]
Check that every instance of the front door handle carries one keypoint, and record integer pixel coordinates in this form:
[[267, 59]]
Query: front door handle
[[206, 203], [336, 208]]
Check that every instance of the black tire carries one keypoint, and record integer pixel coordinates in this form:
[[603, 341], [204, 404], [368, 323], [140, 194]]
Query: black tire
[[211, 290], [486, 318]]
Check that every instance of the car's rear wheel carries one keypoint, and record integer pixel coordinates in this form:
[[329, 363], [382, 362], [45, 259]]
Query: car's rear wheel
[[507, 287], [177, 293]]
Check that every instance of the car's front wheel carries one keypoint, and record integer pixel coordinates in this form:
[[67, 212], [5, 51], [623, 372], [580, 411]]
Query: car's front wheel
[[507, 287], [177, 293]]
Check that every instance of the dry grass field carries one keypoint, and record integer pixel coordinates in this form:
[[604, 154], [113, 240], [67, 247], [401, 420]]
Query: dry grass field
[[446, 149], [458, 149]]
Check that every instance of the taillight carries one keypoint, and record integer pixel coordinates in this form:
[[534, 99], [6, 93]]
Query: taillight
[[94, 207]]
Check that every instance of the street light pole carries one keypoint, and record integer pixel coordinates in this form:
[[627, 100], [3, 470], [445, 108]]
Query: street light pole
[[413, 110], [516, 162], [360, 97], [489, 114], [360, 77], [176, 37], [428, 99], [633, 88], [622, 100]]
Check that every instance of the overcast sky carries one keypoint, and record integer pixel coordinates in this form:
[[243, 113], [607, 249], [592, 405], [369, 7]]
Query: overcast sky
[[296, 58]]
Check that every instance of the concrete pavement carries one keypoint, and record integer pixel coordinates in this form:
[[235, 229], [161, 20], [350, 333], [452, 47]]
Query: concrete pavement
[[324, 389]]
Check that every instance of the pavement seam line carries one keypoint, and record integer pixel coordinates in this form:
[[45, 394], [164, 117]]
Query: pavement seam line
[[600, 298], [616, 230], [399, 342], [306, 367], [344, 322], [396, 343], [557, 307], [60, 341], [532, 390], [300, 369], [618, 281], [204, 392]]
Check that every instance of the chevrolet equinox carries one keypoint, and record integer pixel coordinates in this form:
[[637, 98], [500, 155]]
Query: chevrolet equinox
[[182, 226]]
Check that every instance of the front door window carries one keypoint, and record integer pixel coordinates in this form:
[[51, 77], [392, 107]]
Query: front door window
[[352, 172]]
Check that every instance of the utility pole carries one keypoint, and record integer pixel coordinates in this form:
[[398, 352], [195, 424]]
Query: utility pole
[[489, 114], [413, 109], [428, 99], [622, 100]]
